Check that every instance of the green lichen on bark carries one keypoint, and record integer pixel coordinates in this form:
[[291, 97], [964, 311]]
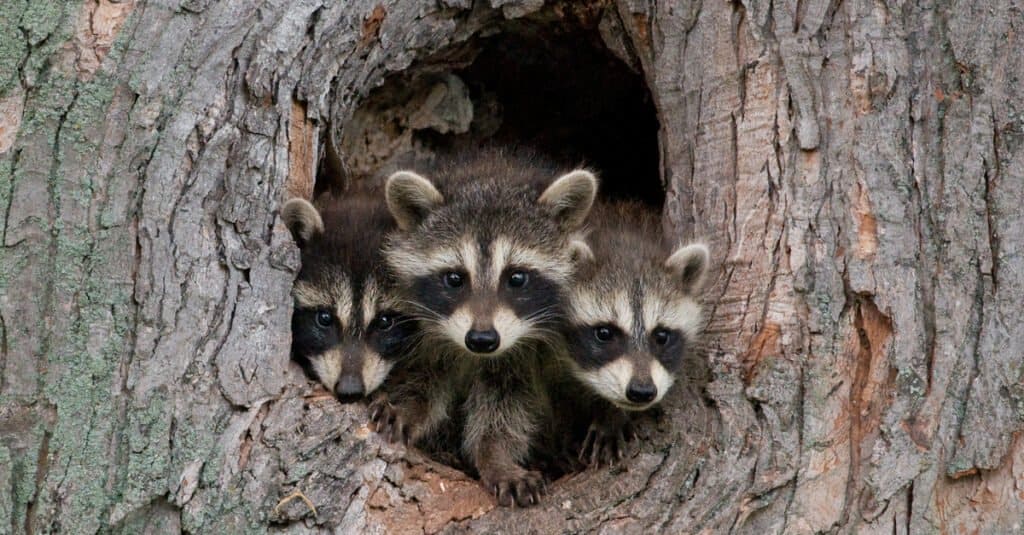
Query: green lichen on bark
[[89, 352], [6, 500], [24, 467], [90, 311], [13, 43], [47, 27], [148, 469]]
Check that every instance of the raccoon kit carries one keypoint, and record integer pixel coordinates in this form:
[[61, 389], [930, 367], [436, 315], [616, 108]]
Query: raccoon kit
[[485, 257], [633, 315], [346, 330]]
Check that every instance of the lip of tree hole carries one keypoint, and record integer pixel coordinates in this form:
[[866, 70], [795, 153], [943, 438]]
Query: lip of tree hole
[[554, 87]]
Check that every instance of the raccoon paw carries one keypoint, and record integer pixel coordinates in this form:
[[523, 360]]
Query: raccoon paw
[[389, 423], [605, 444], [518, 487]]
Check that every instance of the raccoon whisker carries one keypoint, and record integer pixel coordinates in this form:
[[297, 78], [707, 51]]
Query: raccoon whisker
[[543, 332], [404, 321], [430, 320], [546, 313], [543, 325], [421, 309], [542, 318], [543, 337]]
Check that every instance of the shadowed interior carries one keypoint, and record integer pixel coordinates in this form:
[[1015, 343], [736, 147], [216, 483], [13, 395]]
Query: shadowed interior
[[552, 87]]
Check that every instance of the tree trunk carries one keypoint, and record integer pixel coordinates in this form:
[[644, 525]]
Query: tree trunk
[[856, 167]]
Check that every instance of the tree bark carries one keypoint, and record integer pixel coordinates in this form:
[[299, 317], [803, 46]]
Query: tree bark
[[857, 168]]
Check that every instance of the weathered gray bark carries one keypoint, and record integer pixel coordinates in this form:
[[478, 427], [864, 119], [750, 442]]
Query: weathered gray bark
[[857, 167]]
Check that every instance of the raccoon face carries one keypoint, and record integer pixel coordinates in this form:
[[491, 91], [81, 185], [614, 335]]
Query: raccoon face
[[486, 297], [630, 331], [487, 269], [345, 330], [349, 342]]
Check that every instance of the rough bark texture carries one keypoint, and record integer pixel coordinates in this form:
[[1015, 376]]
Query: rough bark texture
[[856, 166]]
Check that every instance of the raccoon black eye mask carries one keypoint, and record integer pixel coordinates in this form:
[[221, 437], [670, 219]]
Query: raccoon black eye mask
[[475, 283], [629, 342], [485, 259], [345, 332], [633, 315]]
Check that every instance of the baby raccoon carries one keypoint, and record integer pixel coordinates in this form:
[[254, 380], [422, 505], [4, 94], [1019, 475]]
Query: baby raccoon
[[634, 314], [486, 257], [346, 331]]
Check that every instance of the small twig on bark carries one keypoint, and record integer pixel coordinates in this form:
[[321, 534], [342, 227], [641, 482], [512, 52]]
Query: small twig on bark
[[297, 494]]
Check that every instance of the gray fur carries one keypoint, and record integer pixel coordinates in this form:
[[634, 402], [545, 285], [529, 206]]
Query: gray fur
[[636, 282], [342, 274], [302, 220], [492, 201]]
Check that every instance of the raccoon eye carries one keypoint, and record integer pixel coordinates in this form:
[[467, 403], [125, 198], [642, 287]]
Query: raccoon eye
[[662, 337], [603, 333], [452, 279], [324, 318], [383, 322], [517, 279]]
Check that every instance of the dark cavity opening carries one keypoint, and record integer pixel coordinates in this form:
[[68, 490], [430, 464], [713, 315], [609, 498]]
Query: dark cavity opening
[[554, 87]]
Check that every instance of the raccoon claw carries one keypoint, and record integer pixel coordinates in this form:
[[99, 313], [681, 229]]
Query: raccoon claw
[[388, 423], [604, 445], [522, 491]]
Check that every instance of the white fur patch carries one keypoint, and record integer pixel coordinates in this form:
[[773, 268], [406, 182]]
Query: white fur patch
[[338, 296], [557, 268], [510, 328], [343, 309], [418, 263], [589, 308], [662, 380], [327, 367], [457, 325], [375, 370], [371, 296], [682, 313], [469, 259], [462, 256], [505, 253], [309, 296], [610, 381], [501, 250]]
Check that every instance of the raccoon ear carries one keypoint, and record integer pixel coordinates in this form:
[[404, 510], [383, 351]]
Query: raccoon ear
[[580, 253], [302, 220], [690, 263], [570, 197], [410, 198]]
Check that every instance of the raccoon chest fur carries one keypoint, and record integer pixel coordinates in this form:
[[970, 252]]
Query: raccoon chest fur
[[485, 259]]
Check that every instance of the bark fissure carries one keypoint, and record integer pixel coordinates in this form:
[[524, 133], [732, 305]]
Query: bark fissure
[[992, 174], [837, 157]]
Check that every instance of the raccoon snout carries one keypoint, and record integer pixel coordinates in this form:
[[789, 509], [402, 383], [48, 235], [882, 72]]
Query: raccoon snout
[[641, 392], [349, 388], [483, 341]]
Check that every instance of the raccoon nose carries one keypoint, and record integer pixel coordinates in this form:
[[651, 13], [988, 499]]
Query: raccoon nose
[[641, 392], [349, 388], [483, 341]]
